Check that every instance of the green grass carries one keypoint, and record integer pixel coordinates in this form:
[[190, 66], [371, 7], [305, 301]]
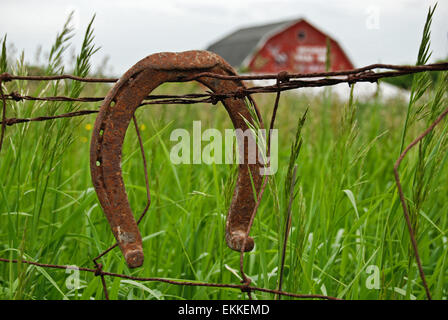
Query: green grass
[[346, 219]]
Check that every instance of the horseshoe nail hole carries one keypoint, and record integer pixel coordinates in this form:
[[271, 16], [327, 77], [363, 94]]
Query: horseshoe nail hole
[[98, 163]]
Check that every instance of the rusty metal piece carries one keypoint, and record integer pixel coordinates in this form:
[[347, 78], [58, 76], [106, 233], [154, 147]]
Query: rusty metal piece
[[110, 128]]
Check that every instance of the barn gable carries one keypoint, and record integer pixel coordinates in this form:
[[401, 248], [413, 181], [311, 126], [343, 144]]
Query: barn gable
[[293, 45], [238, 45]]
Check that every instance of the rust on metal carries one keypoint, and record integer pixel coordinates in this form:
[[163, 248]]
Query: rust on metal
[[110, 128]]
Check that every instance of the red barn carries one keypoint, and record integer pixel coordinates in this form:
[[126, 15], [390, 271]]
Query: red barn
[[293, 46]]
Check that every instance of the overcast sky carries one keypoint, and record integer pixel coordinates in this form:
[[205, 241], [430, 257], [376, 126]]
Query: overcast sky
[[387, 31]]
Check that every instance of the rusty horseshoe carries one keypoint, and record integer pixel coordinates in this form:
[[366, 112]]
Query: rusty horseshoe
[[112, 122]]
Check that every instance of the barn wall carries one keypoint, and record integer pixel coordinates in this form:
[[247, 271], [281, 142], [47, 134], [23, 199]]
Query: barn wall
[[299, 48]]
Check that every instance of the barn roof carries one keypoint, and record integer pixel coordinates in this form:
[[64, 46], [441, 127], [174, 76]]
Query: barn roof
[[235, 47]]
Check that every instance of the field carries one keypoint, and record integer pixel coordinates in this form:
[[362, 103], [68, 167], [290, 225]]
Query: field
[[348, 235]]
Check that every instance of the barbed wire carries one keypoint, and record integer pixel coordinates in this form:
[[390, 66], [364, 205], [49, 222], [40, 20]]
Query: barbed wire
[[100, 272], [5, 77], [284, 81]]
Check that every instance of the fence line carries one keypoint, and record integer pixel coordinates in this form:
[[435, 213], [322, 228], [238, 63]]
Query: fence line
[[285, 81]]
